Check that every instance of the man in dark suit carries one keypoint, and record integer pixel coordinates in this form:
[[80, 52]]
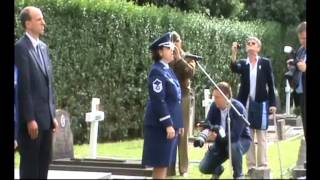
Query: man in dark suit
[[257, 95], [300, 64], [36, 97], [217, 131]]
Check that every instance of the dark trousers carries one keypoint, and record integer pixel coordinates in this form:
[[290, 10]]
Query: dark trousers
[[35, 155], [216, 155], [303, 115]]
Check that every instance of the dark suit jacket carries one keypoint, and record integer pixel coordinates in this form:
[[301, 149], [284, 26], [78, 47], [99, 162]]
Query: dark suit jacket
[[238, 127], [36, 93], [300, 55], [264, 79]]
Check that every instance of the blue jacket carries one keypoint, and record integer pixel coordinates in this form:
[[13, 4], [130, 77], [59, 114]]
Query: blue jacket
[[238, 127], [15, 102], [264, 79], [36, 92], [164, 104], [301, 53]]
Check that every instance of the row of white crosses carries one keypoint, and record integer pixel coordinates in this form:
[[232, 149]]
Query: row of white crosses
[[206, 103], [94, 117]]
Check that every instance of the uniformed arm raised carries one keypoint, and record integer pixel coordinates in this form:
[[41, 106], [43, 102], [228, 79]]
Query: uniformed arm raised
[[185, 69]]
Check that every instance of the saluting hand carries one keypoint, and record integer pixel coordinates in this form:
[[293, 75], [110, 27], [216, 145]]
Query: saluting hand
[[170, 132], [192, 63], [33, 129], [177, 53]]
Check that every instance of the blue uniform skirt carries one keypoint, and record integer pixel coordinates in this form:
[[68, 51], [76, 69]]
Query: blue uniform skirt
[[158, 151]]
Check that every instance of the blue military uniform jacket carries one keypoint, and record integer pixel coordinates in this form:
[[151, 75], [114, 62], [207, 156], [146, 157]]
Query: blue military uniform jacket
[[238, 127], [164, 103]]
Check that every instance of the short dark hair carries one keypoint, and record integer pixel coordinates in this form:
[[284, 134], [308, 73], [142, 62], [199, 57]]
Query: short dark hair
[[302, 27], [155, 54], [225, 88], [25, 16]]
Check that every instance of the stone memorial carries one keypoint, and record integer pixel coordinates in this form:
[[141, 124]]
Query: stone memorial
[[62, 141]]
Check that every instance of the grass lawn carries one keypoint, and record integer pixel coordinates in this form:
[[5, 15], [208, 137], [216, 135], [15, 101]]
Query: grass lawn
[[133, 150]]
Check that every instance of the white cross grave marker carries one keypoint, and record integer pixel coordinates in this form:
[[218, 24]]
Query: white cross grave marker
[[287, 90], [206, 103], [94, 117]]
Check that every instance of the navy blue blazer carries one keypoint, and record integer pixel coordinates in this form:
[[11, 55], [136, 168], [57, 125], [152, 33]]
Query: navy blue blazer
[[36, 92], [164, 104], [264, 79], [239, 129], [301, 53]]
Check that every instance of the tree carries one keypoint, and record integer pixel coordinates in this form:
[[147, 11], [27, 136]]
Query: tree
[[213, 8], [287, 12]]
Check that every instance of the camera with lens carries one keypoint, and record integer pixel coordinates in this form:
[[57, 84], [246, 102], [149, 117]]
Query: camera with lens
[[238, 46], [221, 134], [292, 73]]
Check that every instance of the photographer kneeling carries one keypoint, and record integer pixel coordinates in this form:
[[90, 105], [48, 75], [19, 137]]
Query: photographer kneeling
[[217, 129]]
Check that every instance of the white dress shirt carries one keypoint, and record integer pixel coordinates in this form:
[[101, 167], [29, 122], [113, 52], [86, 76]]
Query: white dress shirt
[[34, 41], [223, 114], [253, 78]]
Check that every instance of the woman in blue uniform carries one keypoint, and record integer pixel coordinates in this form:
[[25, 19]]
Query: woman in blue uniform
[[163, 117]]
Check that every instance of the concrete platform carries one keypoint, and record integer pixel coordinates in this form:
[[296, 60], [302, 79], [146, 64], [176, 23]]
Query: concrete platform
[[54, 174]]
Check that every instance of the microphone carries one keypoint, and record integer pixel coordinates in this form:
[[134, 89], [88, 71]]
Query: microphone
[[192, 56]]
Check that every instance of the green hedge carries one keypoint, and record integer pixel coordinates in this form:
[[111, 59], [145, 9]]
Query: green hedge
[[100, 49]]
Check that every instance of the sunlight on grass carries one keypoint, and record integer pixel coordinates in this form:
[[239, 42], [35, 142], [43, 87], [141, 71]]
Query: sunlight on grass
[[132, 149]]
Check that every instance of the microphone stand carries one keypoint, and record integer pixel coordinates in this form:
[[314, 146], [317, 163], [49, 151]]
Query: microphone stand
[[229, 139], [225, 97]]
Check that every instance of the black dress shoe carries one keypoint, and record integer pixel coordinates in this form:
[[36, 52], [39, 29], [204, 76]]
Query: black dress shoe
[[250, 172]]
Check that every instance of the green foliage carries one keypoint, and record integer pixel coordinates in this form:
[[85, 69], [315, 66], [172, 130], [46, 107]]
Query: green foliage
[[289, 12], [213, 8], [100, 49]]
